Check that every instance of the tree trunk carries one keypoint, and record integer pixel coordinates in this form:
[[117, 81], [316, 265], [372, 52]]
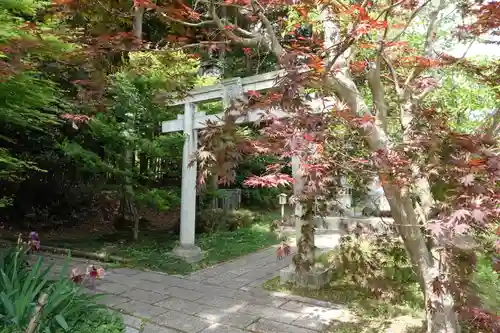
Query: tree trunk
[[441, 313], [128, 210], [215, 186], [305, 258], [439, 309], [439, 302]]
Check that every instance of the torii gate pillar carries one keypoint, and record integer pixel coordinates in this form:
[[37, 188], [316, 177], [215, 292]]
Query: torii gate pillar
[[187, 248]]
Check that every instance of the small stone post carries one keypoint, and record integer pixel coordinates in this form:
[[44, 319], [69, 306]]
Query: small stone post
[[282, 202], [345, 197], [297, 190]]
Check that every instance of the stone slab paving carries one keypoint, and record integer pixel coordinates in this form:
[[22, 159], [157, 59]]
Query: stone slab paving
[[225, 298]]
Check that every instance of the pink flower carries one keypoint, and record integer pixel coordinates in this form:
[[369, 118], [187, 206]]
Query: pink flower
[[35, 245], [95, 273]]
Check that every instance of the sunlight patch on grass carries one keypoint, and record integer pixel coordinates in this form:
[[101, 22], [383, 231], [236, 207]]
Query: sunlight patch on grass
[[399, 307], [358, 299], [391, 302], [373, 314]]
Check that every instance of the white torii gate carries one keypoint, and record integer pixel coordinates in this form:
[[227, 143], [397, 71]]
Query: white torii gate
[[192, 121]]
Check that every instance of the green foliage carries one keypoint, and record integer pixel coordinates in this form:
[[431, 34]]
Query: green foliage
[[465, 99], [100, 321], [371, 261], [132, 151], [258, 197], [261, 197], [168, 71], [487, 283], [214, 220], [27, 105], [66, 308], [29, 102], [373, 279], [159, 198]]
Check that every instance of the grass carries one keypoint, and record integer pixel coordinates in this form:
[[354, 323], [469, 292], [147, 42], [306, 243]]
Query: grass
[[401, 304], [377, 301], [100, 321], [153, 249], [96, 321], [374, 313], [488, 284]]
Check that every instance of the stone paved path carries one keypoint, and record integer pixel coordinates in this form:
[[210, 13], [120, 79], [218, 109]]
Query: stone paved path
[[226, 298]]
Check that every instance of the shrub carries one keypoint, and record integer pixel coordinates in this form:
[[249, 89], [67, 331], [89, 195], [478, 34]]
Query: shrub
[[243, 218], [370, 261], [100, 321], [213, 220], [67, 306]]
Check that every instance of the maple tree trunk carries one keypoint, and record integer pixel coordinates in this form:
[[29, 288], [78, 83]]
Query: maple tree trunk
[[305, 258], [439, 302]]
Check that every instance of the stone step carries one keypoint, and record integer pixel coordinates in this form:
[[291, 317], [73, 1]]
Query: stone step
[[339, 223]]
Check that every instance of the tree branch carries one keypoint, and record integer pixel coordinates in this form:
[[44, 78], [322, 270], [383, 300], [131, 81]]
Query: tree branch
[[243, 32], [375, 82], [378, 94], [386, 10], [394, 74], [430, 39], [494, 128], [332, 42], [187, 24], [412, 17], [254, 41], [200, 44], [408, 101], [275, 45], [138, 21]]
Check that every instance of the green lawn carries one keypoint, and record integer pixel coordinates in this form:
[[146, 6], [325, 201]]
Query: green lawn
[[401, 303], [152, 251], [375, 314], [488, 284]]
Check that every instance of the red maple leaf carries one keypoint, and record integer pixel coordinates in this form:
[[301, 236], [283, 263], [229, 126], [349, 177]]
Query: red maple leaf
[[459, 215], [308, 137], [253, 93], [478, 215], [467, 180], [476, 162]]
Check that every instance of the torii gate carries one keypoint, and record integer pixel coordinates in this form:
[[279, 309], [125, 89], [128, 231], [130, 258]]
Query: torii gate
[[192, 121]]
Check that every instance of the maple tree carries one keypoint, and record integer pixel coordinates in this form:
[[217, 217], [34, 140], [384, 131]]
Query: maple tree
[[441, 184]]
